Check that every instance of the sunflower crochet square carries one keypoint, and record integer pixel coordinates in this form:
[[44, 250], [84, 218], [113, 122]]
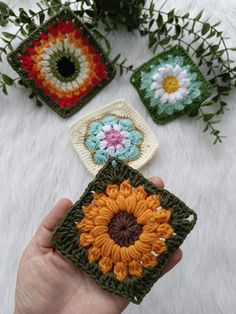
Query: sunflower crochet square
[[62, 63], [170, 85], [123, 230], [116, 130]]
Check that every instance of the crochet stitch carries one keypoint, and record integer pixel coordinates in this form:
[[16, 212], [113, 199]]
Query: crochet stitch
[[116, 130], [170, 85], [62, 63], [123, 230]]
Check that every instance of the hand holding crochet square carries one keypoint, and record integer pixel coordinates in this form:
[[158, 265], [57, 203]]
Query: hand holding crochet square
[[123, 230], [62, 63], [170, 85], [116, 130]]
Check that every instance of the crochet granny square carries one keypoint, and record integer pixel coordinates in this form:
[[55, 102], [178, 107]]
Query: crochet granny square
[[170, 85], [116, 130], [123, 230], [62, 63]]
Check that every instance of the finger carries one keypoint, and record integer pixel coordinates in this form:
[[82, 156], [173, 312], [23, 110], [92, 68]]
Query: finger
[[175, 259], [43, 234], [158, 181]]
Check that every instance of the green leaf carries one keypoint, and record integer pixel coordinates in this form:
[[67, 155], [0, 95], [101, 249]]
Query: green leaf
[[39, 103], [205, 29], [116, 58], [4, 8], [7, 80], [198, 17], [232, 49], [170, 16], [165, 41], [8, 35], [185, 16], [159, 20], [206, 128], [208, 116], [4, 13], [4, 89], [41, 17], [151, 8], [177, 31]]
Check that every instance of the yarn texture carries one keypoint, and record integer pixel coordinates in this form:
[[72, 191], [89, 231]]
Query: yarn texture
[[170, 85], [123, 230], [62, 63], [115, 130]]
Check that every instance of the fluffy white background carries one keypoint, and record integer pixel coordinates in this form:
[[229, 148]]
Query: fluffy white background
[[38, 166]]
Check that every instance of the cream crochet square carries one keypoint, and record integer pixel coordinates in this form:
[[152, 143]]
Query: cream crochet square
[[116, 130]]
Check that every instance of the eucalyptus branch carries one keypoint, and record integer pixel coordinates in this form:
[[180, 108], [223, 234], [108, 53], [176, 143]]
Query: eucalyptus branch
[[208, 44]]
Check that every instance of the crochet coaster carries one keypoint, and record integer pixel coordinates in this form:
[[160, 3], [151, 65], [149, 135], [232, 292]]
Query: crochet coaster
[[123, 230], [116, 130], [62, 63], [170, 85]]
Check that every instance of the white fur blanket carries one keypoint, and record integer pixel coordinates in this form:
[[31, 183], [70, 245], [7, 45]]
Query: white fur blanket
[[38, 166]]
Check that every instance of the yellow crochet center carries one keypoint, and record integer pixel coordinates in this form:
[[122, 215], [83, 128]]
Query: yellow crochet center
[[170, 84], [124, 230]]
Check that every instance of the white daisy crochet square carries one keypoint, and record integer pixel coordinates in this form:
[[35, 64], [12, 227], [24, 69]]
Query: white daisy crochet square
[[171, 85], [116, 130]]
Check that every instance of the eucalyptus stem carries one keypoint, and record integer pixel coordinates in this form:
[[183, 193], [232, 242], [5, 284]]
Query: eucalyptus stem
[[32, 18]]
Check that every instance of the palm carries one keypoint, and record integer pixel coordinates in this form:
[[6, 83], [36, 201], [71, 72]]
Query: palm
[[50, 277], [48, 283]]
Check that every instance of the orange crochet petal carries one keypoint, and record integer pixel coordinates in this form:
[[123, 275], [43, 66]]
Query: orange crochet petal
[[164, 230], [120, 271], [88, 208], [98, 230], [85, 225], [140, 193], [130, 203], [105, 264], [134, 253], [86, 239], [125, 255], [121, 202], [153, 202], [146, 217], [93, 254], [149, 260], [115, 254], [101, 240], [163, 215], [106, 212], [148, 238], [135, 269], [140, 208], [159, 246], [99, 199], [112, 205], [142, 247], [101, 221], [112, 190], [107, 247], [126, 188], [92, 213], [151, 227]]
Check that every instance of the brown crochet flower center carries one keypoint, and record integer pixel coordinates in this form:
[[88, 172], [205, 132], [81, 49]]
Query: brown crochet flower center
[[124, 229]]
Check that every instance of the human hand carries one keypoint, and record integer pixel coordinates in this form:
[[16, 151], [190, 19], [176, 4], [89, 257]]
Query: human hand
[[48, 283]]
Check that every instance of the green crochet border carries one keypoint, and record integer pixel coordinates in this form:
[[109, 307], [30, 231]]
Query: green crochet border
[[65, 240], [206, 88], [13, 59]]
